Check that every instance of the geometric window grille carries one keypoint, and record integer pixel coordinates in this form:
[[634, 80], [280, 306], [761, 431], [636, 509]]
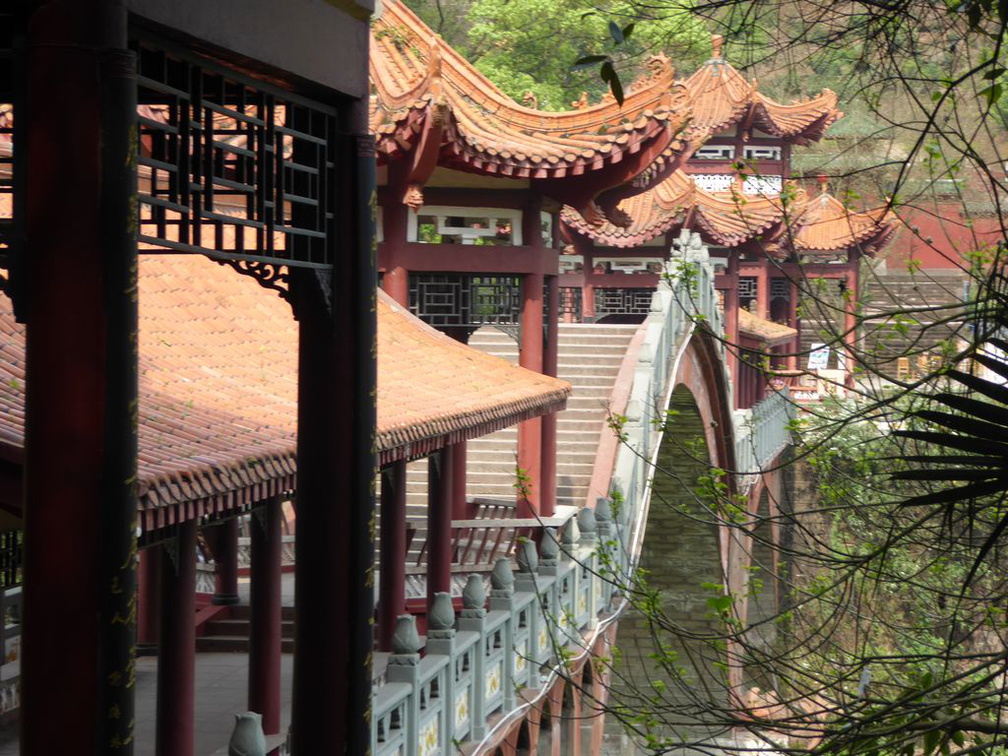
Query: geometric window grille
[[752, 152], [570, 303], [746, 287], [780, 288], [12, 29], [715, 152], [713, 182], [763, 185], [622, 301], [462, 299], [231, 167]]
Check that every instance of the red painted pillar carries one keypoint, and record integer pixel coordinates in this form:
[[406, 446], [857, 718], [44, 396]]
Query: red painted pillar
[[548, 486], [265, 636], [530, 431], [78, 283], [439, 512], [793, 321], [148, 598], [392, 585], [731, 306], [762, 309], [850, 314], [461, 510], [586, 249], [336, 470], [225, 553], [176, 678], [395, 216], [530, 356]]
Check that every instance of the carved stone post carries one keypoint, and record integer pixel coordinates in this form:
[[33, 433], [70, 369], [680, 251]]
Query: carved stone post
[[441, 641], [502, 588], [588, 540], [473, 619], [404, 667]]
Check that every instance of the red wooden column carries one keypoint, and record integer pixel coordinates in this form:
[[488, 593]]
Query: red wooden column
[[547, 499], [530, 356], [395, 280], [795, 348], [850, 313], [763, 290], [461, 509], [78, 282], [439, 513], [336, 470], [265, 636], [148, 598], [731, 306], [176, 705], [226, 556], [392, 586], [586, 249]]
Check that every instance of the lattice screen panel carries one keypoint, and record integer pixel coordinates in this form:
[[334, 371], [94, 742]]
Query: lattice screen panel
[[622, 302], [230, 167], [460, 299]]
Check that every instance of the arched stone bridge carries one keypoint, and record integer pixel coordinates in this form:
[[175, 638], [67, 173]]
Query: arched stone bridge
[[492, 677]]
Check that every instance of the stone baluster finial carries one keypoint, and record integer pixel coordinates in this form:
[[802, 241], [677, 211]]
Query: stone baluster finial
[[571, 533], [528, 559], [502, 579], [474, 597], [586, 524], [549, 549], [247, 738], [406, 639], [603, 515], [441, 617]]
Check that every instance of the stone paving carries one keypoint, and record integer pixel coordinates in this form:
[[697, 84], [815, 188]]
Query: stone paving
[[221, 692]]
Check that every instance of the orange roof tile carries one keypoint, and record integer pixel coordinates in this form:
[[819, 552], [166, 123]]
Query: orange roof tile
[[829, 226], [414, 78], [767, 331], [218, 388], [720, 96], [723, 218]]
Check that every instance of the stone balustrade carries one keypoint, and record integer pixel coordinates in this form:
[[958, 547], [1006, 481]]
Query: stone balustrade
[[475, 663]]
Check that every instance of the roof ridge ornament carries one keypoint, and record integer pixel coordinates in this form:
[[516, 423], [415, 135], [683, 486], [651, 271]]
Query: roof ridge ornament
[[716, 41]]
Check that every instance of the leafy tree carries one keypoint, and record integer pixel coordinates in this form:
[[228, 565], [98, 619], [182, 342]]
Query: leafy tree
[[893, 635], [530, 46]]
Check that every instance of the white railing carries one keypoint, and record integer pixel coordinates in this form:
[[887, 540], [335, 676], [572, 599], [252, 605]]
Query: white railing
[[475, 663]]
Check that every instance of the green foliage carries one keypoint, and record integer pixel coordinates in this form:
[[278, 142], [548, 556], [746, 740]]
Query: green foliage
[[532, 45]]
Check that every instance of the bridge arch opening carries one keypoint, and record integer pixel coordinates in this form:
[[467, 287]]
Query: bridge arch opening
[[671, 656]]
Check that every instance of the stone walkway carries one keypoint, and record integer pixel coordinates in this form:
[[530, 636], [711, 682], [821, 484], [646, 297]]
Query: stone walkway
[[221, 692]]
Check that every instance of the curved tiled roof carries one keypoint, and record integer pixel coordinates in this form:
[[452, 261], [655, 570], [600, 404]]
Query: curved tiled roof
[[724, 218], [829, 226], [720, 96], [760, 329], [218, 388], [414, 78]]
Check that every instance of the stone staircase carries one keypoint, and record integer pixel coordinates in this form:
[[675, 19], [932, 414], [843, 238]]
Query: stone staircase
[[589, 358], [232, 634]]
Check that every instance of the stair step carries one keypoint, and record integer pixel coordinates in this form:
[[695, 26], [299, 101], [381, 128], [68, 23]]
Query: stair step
[[235, 644]]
